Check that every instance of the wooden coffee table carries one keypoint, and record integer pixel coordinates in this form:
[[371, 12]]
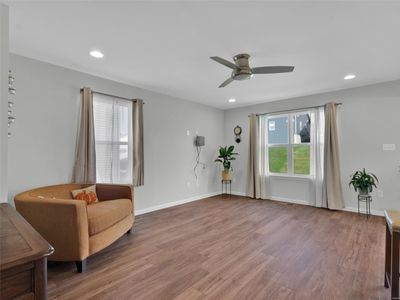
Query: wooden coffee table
[[23, 257]]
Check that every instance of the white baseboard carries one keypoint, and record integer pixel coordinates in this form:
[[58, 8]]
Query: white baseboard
[[199, 197], [281, 199], [302, 202], [239, 193], [374, 212], [173, 203], [288, 200]]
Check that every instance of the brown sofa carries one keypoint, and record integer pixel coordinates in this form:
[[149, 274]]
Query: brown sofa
[[74, 229]]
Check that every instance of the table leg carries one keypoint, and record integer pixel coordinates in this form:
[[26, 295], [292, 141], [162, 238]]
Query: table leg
[[40, 282], [387, 255], [395, 265], [358, 206]]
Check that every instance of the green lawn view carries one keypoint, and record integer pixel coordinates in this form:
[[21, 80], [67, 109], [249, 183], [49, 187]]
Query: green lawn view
[[278, 159], [301, 159]]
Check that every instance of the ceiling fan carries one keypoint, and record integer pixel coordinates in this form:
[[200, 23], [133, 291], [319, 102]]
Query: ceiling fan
[[242, 71]]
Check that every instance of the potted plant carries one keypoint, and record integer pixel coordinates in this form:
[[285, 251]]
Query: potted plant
[[226, 155], [363, 182]]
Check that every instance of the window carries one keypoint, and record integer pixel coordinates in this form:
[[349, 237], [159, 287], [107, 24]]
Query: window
[[113, 138], [288, 145]]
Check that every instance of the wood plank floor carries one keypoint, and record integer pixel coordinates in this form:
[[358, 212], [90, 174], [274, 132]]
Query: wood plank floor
[[235, 248]]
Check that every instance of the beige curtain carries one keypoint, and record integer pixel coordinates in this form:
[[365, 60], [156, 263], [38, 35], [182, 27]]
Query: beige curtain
[[253, 170], [85, 161], [332, 190], [138, 155]]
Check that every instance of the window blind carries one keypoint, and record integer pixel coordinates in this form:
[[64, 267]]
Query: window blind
[[113, 139]]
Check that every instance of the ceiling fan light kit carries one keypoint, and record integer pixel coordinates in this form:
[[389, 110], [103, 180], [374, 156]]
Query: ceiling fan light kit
[[242, 71]]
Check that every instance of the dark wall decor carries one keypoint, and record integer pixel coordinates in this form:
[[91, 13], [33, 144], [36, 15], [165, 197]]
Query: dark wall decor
[[237, 131]]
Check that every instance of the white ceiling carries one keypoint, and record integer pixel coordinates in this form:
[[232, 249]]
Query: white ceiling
[[165, 46]]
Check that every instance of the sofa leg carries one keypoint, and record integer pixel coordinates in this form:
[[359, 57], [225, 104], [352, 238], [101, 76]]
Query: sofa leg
[[81, 265]]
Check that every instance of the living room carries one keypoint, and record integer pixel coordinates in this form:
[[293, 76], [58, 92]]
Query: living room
[[307, 93]]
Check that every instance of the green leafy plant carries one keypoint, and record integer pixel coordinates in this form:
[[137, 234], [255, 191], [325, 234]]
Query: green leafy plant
[[363, 182], [226, 155]]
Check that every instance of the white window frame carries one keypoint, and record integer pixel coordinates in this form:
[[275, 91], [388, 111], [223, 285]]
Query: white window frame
[[290, 145], [115, 169]]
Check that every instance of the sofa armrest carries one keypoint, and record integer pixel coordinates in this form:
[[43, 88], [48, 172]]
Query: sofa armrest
[[62, 222], [114, 191]]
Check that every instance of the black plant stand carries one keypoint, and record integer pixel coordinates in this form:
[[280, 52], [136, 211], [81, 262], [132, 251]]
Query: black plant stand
[[367, 199], [226, 183]]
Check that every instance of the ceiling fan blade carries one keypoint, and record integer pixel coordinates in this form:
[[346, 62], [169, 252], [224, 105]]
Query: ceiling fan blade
[[226, 82], [272, 69], [224, 62]]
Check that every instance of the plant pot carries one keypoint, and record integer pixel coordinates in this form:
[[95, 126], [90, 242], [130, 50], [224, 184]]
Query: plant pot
[[363, 192], [226, 175]]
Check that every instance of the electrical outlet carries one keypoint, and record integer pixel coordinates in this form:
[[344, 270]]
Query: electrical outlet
[[389, 147], [380, 193], [187, 132]]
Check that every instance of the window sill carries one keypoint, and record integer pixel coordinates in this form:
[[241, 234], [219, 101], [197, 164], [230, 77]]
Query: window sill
[[291, 177]]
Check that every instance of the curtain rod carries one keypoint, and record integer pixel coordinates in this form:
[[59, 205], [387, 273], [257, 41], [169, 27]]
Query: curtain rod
[[109, 95], [296, 109]]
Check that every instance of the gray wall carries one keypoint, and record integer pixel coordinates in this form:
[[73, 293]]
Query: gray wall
[[4, 49], [368, 118], [41, 151]]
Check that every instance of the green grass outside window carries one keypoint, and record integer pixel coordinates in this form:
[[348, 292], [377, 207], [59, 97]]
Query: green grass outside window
[[301, 159], [278, 159]]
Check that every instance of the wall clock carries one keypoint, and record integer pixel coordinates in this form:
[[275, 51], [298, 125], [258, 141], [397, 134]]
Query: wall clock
[[237, 131]]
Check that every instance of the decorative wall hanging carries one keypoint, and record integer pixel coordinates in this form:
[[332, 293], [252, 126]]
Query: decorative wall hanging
[[237, 131], [11, 92]]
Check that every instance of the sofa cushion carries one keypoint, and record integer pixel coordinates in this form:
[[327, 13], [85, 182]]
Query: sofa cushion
[[87, 194], [104, 214]]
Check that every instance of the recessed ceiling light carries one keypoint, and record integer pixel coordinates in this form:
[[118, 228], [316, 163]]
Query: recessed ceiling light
[[232, 100], [349, 76], [96, 53]]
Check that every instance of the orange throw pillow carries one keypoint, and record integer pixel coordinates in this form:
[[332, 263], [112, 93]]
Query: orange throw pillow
[[87, 194]]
